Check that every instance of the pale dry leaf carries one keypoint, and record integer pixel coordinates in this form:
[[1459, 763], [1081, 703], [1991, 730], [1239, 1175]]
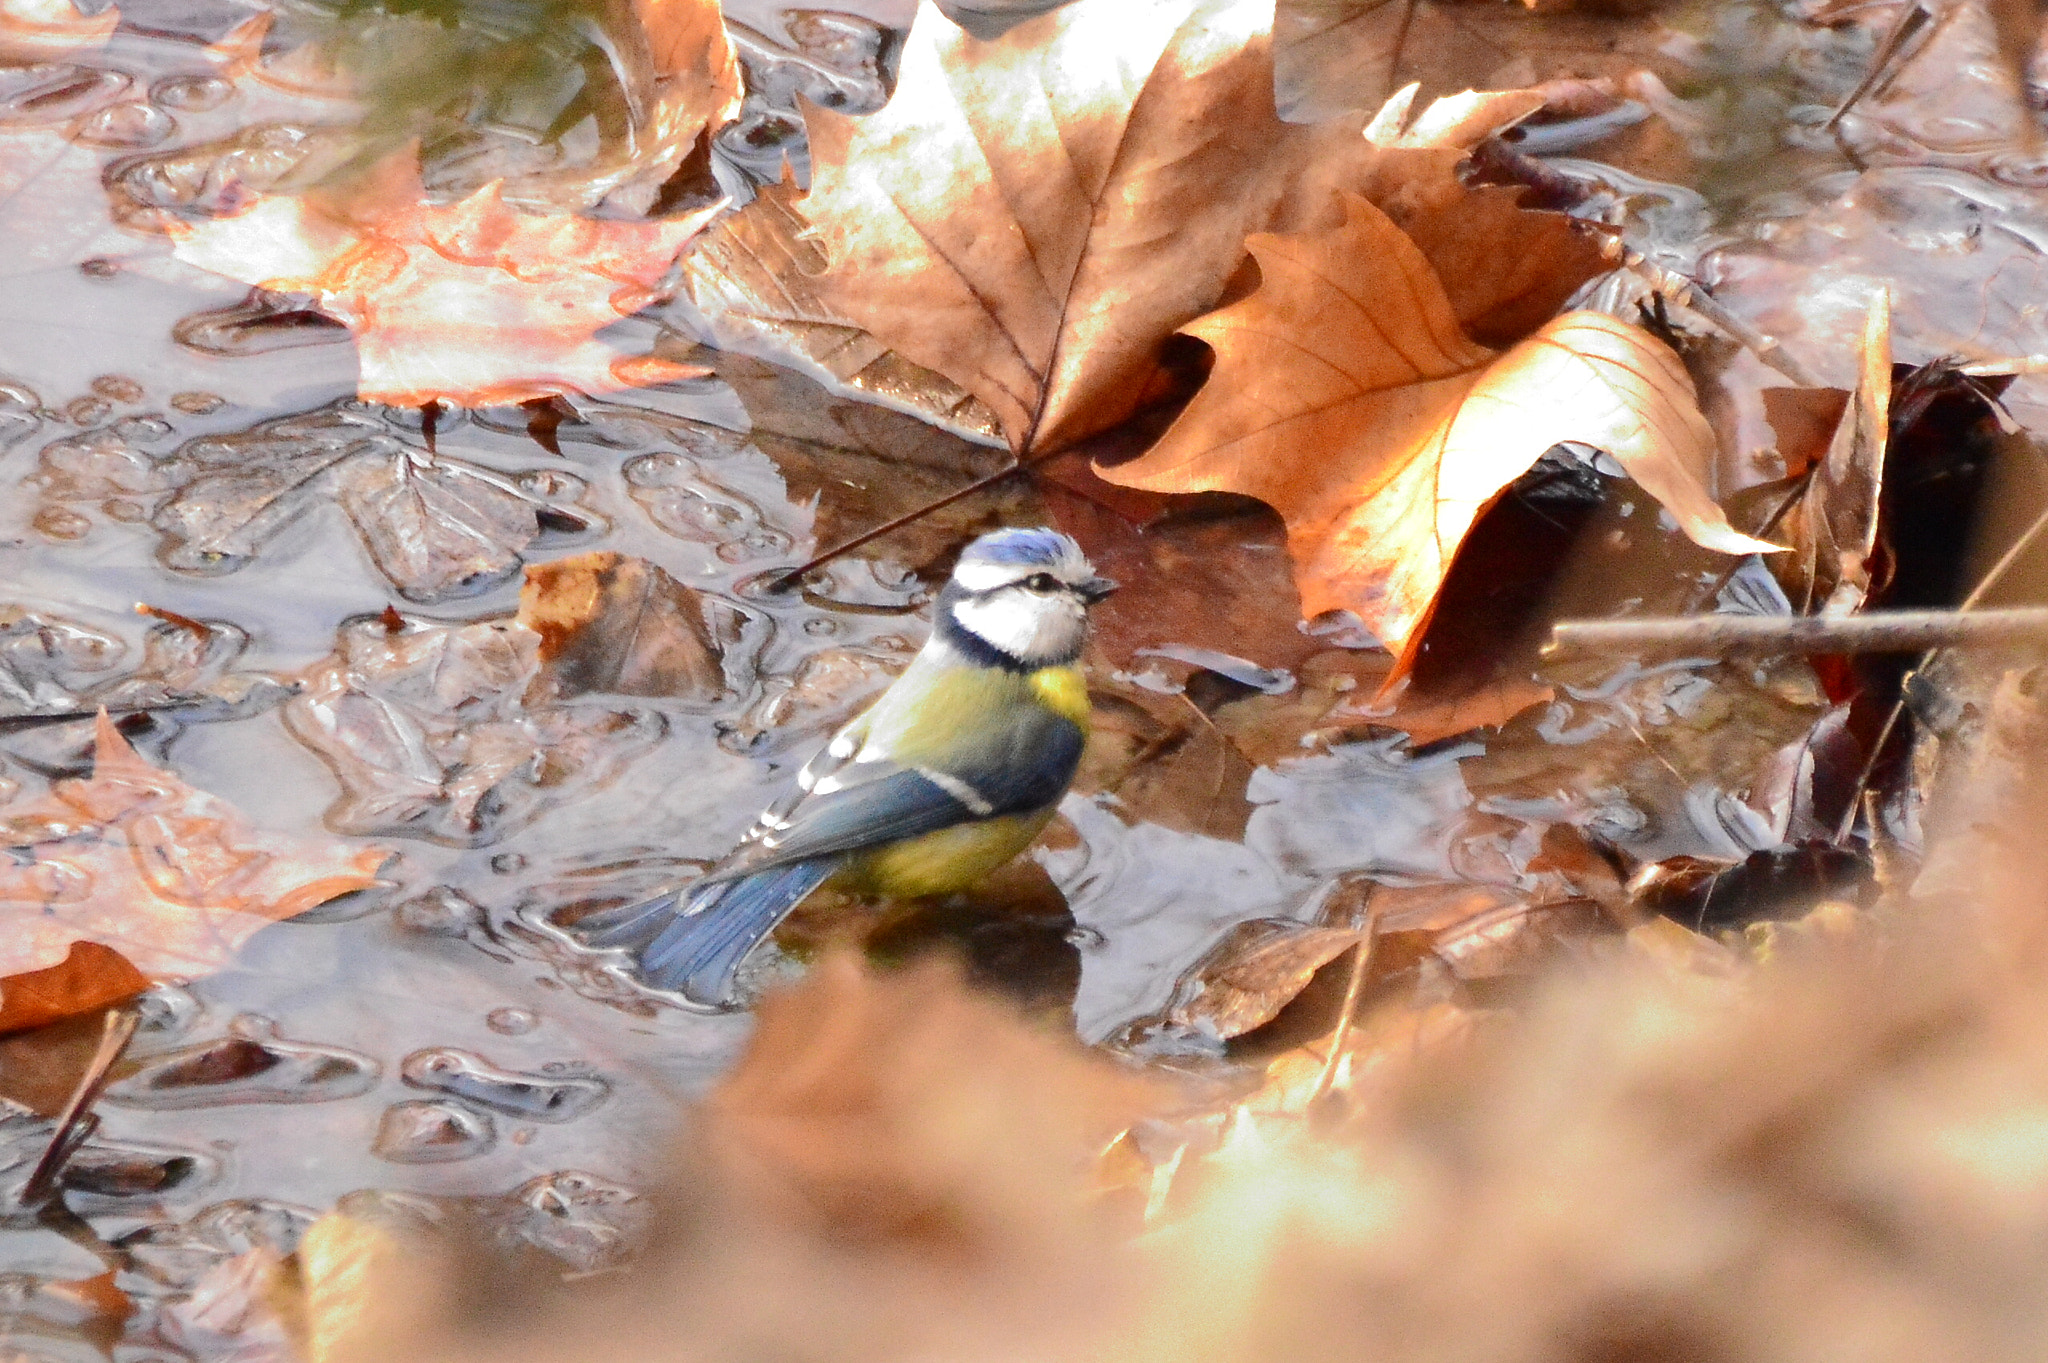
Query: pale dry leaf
[[752, 280], [473, 303], [173, 878], [1031, 216], [1833, 526], [1347, 397]]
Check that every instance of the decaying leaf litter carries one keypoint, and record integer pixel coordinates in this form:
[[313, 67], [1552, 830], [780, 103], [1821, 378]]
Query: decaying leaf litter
[[540, 650]]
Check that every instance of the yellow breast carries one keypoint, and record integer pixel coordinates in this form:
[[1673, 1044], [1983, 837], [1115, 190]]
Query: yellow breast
[[942, 862]]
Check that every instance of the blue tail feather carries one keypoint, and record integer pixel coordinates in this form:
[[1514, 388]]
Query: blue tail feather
[[628, 925], [692, 941]]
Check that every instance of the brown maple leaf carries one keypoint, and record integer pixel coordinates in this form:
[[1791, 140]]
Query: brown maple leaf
[[173, 878], [474, 303], [1033, 215], [1348, 397]]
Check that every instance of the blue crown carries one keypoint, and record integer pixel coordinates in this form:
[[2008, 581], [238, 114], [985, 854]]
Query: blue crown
[[1048, 547]]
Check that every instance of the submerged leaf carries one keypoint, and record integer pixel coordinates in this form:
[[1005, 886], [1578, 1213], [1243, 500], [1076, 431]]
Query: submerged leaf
[[475, 303], [428, 729], [621, 625], [173, 878]]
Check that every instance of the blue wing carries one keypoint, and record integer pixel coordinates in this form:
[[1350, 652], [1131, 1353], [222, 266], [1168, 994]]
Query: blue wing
[[693, 940]]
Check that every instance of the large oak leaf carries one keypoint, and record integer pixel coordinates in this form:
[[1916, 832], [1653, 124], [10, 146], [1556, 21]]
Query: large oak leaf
[[1347, 396], [173, 878], [1031, 216]]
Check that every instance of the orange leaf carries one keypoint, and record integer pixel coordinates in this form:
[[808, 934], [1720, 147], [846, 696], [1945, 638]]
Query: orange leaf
[[1348, 398], [172, 878], [88, 979], [1032, 215], [53, 27], [479, 303], [474, 303]]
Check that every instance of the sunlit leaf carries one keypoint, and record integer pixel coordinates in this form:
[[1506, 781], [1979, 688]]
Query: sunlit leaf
[[474, 303], [1032, 215], [1347, 397]]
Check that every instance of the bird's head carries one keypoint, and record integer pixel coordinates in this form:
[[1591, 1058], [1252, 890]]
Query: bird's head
[[1021, 597]]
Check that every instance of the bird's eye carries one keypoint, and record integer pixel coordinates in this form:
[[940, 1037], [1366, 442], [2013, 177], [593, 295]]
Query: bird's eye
[[1042, 582]]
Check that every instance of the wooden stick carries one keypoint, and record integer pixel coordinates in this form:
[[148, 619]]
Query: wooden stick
[[76, 1123], [1880, 632]]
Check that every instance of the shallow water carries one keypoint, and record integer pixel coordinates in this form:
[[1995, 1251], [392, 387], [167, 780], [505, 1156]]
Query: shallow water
[[442, 1036]]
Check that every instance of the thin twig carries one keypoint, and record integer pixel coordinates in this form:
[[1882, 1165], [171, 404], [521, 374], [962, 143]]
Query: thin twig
[[10, 723], [1353, 987], [1400, 47], [1879, 632], [803, 570], [75, 1124], [1904, 29]]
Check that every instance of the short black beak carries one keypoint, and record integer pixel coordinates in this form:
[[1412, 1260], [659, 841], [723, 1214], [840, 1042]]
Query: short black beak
[[1096, 588]]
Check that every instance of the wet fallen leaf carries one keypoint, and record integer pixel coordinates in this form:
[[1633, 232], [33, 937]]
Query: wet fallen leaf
[[1426, 719], [1833, 525], [1347, 397], [1002, 221], [89, 978], [1254, 972], [621, 625], [474, 303], [171, 877]]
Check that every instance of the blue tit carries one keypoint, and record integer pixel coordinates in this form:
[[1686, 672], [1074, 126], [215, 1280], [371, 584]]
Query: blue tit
[[949, 774]]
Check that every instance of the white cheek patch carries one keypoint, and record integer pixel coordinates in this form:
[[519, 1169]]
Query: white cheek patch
[[1028, 628], [983, 577]]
